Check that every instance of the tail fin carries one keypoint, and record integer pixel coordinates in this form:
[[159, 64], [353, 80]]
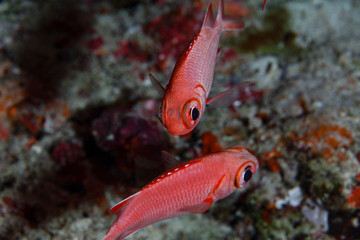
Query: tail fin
[[228, 23], [220, 14], [232, 24], [209, 20], [264, 4]]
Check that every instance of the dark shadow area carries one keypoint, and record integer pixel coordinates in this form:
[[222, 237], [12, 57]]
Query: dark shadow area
[[48, 44], [123, 146], [114, 148], [341, 224]]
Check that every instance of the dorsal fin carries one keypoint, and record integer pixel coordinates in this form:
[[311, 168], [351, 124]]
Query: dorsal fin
[[119, 208], [159, 88], [169, 160]]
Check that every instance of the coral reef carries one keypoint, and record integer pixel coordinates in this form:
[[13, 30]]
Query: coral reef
[[79, 129]]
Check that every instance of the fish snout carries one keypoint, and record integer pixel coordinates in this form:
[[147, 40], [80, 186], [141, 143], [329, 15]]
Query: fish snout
[[174, 123]]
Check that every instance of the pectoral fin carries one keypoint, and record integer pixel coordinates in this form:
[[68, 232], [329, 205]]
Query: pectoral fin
[[226, 98], [206, 204], [169, 160], [199, 208], [159, 88]]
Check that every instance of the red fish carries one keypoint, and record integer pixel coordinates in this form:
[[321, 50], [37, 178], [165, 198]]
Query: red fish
[[191, 187], [264, 4], [185, 97]]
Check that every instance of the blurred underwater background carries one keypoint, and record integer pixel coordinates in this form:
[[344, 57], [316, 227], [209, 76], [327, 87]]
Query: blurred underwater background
[[79, 128]]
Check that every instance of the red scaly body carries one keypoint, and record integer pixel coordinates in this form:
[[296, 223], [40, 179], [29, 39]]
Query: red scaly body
[[185, 97], [191, 187]]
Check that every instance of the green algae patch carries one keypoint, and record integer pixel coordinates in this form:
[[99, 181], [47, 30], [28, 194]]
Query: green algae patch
[[321, 179], [287, 224], [272, 36]]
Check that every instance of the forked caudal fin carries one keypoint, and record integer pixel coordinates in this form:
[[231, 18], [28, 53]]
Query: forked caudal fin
[[227, 23], [264, 4]]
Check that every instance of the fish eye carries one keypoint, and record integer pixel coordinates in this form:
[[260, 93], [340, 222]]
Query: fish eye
[[244, 175], [247, 175], [194, 113], [191, 113]]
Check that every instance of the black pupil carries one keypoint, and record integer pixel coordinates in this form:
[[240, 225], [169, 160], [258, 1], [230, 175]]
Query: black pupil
[[194, 113], [247, 175]]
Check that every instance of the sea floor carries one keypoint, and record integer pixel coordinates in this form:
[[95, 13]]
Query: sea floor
[[79, 129]]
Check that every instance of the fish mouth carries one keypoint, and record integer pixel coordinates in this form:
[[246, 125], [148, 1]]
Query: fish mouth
[[167, 119], [179, 132]]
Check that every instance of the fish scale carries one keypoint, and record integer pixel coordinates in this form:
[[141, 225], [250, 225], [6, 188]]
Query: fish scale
[[191, 187], [192, 77]]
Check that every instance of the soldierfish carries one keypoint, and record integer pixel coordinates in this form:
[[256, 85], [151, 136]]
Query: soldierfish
[[185, 96], [264, 4], [190, 187]]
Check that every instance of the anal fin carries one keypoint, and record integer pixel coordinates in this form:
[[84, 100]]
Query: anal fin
[[119, 208]]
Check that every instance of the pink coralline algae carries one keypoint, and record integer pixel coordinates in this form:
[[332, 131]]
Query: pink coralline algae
[[131, 51], [72, 173], [135, 142], [39, 116], [113, 131], [95, 43], [173, 31], [105, 128], [146, 131], [325, 141], [250, 94], [68, 153], [4, 132]]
